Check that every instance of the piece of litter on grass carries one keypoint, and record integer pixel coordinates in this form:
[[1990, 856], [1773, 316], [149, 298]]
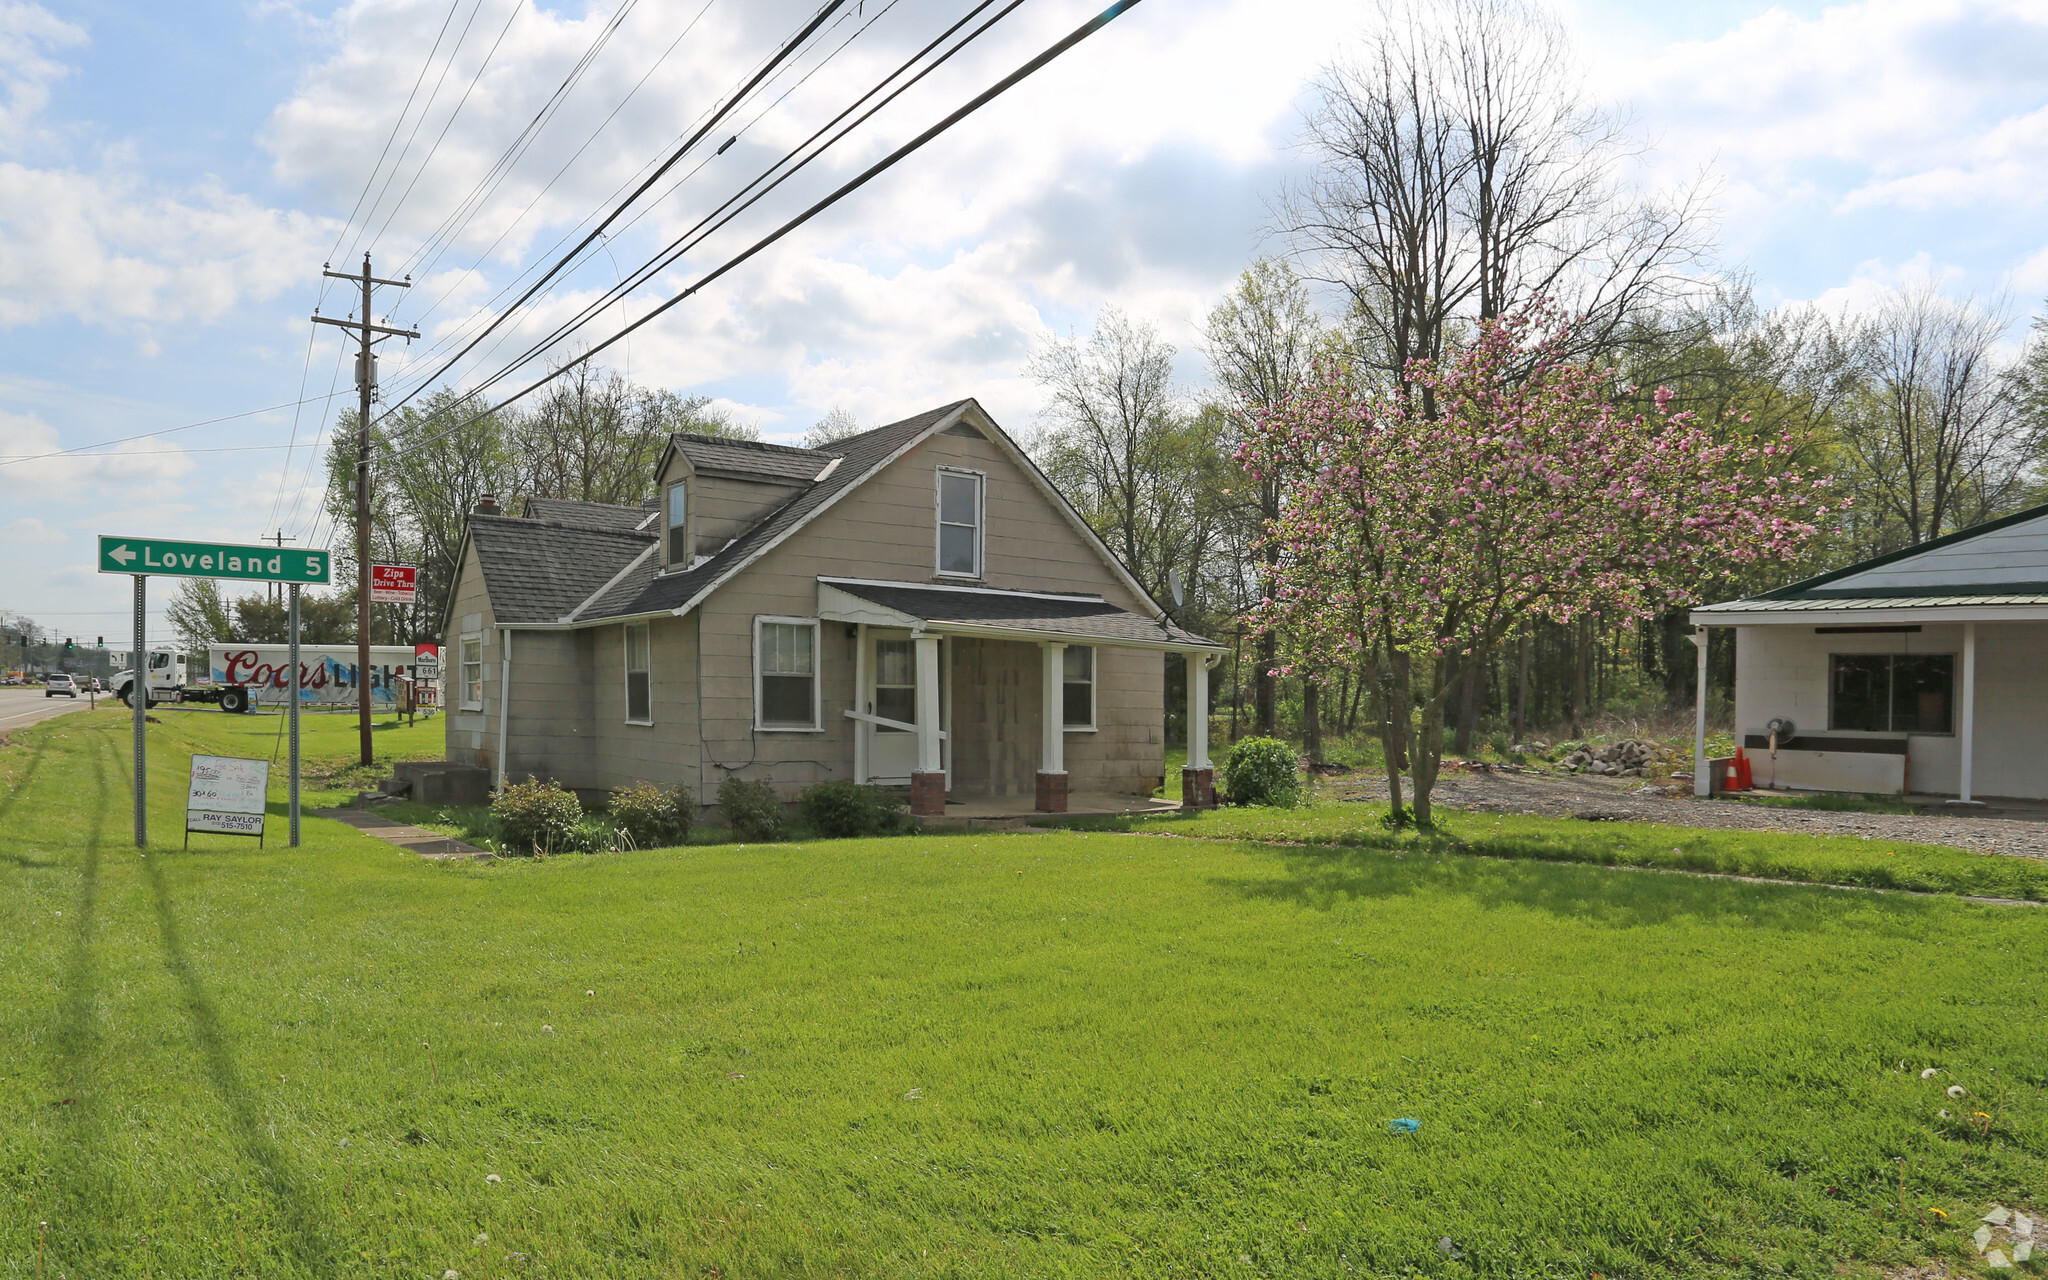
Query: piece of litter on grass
[[1999, 1215], [2022, 1251], [1403, 1125], [1930, 1073], [913, 1095], [1981, 1237], [1996, 1259], [1956, 1091], [492, 1177]]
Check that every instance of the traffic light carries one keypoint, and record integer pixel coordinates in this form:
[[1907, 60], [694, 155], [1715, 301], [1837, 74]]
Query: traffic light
[[67, 644], [100, 642]]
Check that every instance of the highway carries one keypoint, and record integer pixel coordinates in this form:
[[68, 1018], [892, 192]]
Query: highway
[[20, 708]]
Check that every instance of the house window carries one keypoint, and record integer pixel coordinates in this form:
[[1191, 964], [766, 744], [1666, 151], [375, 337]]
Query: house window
[[1077, 687], [960, 523], [639, 674], [786, 673], [678, 529], [1891, 693], [472, 673]]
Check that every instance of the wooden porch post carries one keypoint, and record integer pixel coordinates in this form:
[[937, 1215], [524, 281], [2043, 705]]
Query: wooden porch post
[[1052, 751], [928, 783]]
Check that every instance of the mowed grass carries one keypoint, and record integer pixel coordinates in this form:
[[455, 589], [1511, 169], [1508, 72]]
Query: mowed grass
[[1837, 860], [1062, 1054]]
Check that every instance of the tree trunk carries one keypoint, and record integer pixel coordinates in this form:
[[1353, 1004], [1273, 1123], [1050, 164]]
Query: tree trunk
[[1263, 685], [1522, 686], [1582, 658], [1394, 728], [1469, 700], [1312, 720], [1429, 753]]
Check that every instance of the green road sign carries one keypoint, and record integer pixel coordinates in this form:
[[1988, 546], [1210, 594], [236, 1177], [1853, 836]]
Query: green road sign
[[161, 556]]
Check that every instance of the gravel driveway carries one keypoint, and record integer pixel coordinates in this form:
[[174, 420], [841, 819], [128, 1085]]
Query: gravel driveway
[[1555, 795]]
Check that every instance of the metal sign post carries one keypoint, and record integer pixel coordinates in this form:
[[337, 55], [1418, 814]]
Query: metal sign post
[[141, 558], [292, 712], [138, 697]]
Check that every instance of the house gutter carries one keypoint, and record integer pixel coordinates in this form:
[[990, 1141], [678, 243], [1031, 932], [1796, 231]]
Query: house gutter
[[504, 697]]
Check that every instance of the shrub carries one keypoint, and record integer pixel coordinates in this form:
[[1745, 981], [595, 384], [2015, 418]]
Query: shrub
[[598, 833], [652, 817], [1262, 771], [750, 808], [536, 816], [845, 809]]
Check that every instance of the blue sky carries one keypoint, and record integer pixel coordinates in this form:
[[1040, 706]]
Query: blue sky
[[172, 177]]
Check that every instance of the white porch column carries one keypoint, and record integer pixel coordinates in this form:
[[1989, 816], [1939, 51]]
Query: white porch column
[[861, 728], [1702, 784], [928, 760], [1052, 752], [1969, 726], [1198, 711]]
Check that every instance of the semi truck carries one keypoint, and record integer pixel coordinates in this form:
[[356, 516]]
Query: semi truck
[[237, 677]]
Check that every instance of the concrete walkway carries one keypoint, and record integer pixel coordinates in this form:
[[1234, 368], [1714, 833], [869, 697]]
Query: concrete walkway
[[419, 840]]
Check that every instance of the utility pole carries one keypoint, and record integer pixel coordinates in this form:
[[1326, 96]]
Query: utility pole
[[270, 589], [366, 387]]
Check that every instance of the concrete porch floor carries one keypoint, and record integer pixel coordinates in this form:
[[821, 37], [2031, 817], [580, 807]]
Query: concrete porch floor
[[1010, 811]]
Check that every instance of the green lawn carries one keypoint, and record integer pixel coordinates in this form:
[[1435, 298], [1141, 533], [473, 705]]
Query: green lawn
[[1059, 1054]]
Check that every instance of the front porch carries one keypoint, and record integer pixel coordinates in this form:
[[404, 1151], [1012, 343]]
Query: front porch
[[990, 705]]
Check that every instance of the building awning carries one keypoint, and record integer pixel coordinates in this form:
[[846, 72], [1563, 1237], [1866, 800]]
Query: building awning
[[1001, 615]]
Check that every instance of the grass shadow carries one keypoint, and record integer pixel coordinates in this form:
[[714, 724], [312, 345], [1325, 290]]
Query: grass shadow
[[308, 1243], [76, 1039], [1321, 877]]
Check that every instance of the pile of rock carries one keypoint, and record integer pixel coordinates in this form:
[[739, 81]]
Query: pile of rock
[[1628, 758]]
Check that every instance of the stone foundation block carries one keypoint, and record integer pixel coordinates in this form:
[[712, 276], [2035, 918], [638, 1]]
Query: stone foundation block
[[928, 795], [1052, 793], [1198, 788]]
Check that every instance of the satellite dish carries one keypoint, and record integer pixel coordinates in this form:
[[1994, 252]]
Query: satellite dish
[[1173, 587]]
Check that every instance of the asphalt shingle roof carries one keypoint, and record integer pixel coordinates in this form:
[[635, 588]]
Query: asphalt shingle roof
[[540, 570], [588, 515], [752, 457], [1093, 619]]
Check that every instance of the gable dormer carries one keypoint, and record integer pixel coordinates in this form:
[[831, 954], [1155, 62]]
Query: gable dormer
[[714, 489]]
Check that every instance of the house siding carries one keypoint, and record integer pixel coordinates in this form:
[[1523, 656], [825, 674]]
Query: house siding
[[886, 529], [471, 737], [1782, 671]]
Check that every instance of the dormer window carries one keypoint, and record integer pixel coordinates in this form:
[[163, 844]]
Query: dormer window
[[960, 510], [677, 510]]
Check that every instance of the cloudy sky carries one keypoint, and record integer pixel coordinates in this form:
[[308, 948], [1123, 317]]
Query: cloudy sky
[[173, 177]]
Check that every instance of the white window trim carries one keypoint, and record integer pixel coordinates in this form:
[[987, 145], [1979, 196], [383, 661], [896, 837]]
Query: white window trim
[[626, 671], [980, 522], [462, 672], [817, 724], [1094, 687], [668, 560]]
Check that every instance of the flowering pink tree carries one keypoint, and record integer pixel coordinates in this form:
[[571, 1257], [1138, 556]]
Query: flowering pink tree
[[1499, 485]]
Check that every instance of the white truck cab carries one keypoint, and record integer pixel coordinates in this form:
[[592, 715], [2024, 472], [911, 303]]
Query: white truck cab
[[166, 667]]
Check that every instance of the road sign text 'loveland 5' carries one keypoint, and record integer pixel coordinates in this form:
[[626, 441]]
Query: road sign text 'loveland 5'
[[168, 558]]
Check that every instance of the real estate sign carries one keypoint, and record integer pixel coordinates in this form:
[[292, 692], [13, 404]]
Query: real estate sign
[[226, 795], [394, 583], [173, 559]]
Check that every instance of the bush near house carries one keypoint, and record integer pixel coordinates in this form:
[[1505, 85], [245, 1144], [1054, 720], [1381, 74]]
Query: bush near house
[[537, 816], [652, 817], [750, 808], [847, 809], [1262, 771]]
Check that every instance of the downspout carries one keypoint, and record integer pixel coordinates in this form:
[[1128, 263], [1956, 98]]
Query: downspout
[[504, 697]]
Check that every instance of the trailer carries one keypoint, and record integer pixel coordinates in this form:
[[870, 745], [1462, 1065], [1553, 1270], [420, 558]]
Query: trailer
[[237, 677]]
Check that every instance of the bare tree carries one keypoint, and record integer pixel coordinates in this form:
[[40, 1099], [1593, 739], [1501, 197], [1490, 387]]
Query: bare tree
[[1261, 341], [1457, 175], [1119, 443], [837, 424], [1938, 440]]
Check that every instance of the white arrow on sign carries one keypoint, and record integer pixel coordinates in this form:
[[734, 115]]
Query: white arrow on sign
[[121, 554]]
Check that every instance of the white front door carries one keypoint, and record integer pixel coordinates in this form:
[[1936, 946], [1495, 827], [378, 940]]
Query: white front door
[[892, 695]]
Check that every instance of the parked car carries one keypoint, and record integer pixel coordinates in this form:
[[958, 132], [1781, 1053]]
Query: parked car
[[60, 683]]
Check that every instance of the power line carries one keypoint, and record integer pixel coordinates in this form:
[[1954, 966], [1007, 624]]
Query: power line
[[867, 175], [788, 48], [706, 226], [9, 460]]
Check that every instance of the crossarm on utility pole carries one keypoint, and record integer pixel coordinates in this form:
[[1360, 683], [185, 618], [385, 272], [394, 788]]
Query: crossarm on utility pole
[[357, 326]]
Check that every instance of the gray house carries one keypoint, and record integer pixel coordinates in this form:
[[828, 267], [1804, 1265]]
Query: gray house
[[1917, 672], [913, 606]]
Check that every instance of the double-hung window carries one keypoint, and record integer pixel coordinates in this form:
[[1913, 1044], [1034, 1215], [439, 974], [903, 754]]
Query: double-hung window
[[1077, 687], [786, 673], [676, 512], [960, 510], [639, 674], [472, 655], [1891, 693]]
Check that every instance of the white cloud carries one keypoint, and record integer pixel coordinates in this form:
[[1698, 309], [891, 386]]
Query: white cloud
[[29, 531], [28, 35]]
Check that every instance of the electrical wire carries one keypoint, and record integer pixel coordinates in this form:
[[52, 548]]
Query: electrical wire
[[88, 449], [867, 175]]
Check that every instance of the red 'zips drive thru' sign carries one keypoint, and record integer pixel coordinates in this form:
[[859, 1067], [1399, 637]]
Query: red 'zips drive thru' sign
[[394, 583]]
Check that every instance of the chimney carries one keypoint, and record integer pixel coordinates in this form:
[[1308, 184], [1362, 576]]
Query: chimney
[[487, 506]]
